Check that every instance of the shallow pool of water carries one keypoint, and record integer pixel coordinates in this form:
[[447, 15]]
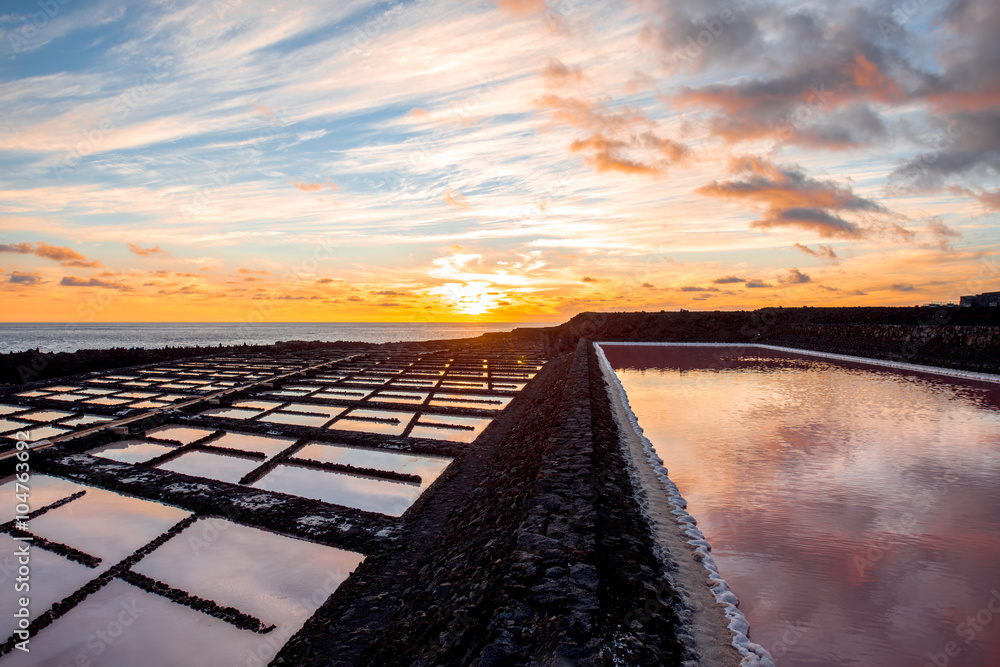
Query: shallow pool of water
[[221, 467], [69, 398], [449, 427], [231, 413], [253, 443], [476, 401], [385, 422], [364, 493], [45, 415], [43, 490], [296, 419], [181, 434], [272, 577], [428, 468], [36, 432], [142, 629], [132, 451], [52, 579], [853, 509], [398, 396], [105, 524]]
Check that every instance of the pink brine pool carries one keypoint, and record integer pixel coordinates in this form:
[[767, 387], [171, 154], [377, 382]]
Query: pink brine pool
[[854, 509]]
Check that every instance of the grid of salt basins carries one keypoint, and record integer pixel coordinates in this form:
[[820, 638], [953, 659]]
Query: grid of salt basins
[[226, 498]]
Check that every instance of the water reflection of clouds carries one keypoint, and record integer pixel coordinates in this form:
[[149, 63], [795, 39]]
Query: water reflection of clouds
[[105, 524], [859, 506], [365, 493], [261, 573]]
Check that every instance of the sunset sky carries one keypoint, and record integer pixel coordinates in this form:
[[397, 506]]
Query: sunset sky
[[236, 160]]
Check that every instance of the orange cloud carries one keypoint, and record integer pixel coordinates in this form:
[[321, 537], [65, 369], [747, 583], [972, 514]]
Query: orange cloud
[[792, 199], [827, 100], [522, 7], [825, 224], [867, 77], [261, 271], [455, 199], [66, 256], [314, 187], [581, 113], [58, 253], [147, 252], [823, 251], [263, 110], [794, 277], [988, 199], [622, 140], [557, 74], [607, 153]]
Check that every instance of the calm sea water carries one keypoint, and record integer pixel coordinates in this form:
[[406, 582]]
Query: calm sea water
[[72, 337], [854, 511]]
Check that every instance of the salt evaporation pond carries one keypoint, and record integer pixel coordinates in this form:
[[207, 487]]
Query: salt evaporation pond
[[854, 509]]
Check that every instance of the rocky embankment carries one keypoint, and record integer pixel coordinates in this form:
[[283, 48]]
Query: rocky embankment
[[950, 337], [531, 551]]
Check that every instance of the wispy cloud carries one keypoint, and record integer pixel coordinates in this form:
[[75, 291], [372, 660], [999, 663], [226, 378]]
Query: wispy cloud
[[551, 142], [147, 252], [63, 255]]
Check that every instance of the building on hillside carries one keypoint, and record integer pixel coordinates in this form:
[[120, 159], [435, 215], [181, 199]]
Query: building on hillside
[[984, 300]]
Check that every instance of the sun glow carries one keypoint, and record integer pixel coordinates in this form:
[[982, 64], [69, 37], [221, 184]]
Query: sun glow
[[471, 298]]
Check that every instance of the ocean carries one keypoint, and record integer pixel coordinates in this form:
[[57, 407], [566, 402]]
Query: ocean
[[69, 337]]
